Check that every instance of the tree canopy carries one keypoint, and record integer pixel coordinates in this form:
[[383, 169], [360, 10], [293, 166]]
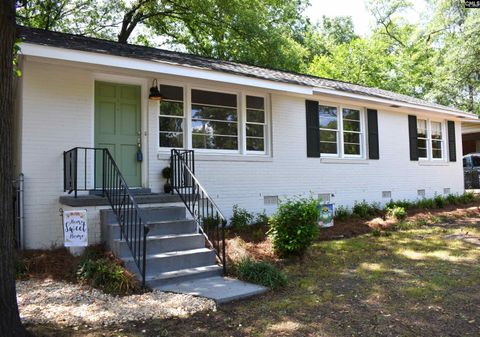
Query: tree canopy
[[437, 59]]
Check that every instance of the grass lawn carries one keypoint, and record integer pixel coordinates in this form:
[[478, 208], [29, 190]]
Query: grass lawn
[[422, 281]]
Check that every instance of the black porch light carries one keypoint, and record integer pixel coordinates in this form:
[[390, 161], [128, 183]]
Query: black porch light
[[155, 94]]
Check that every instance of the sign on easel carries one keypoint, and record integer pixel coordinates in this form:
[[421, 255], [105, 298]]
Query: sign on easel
[[75, 228]]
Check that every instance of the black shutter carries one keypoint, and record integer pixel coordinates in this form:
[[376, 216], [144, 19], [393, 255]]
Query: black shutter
[[313, 129], [412, 131], [373, 151], [452, 150]]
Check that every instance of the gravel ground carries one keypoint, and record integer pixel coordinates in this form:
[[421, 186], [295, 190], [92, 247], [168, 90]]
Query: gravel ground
[[66, 304]]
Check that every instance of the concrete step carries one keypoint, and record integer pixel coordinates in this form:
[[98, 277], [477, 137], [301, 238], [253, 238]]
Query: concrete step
[[162, 243], [220, 289], [112, 232], [134, 191], [179, 276], [98, 200], [177, 260], [152, 214]]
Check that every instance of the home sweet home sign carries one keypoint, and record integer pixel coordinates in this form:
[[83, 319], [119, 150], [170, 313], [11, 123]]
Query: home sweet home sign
[[75, 228]]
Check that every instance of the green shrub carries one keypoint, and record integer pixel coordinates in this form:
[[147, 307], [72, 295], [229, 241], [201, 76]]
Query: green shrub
[[396, 212], [342, 213], [262, 273], [440, 201], [426, 203], [452, 199], [105, 274], [467, 198], [294, 226], [365, 210], [261, 219], [407, 204], [240, 218]]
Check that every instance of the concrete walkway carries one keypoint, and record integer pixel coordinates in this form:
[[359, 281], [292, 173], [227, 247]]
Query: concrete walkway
[[220, 289]]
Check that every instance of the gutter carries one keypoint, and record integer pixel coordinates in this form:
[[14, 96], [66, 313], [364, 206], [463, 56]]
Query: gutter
[[396, 104]]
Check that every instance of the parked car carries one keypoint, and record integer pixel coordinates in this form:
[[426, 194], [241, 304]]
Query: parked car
[[471, 170]]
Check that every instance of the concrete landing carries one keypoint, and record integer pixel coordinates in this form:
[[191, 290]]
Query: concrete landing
[[220, 289]]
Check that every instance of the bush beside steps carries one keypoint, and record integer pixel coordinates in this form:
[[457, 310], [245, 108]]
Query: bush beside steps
[[260, 272]]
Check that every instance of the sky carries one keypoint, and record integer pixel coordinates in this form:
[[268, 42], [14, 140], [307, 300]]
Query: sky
[[357, 9]]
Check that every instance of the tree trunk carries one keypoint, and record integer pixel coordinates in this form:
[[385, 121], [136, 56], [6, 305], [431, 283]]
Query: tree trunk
[[10, 324]]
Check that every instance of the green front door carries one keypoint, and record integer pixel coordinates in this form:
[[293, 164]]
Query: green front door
[[117, 126]]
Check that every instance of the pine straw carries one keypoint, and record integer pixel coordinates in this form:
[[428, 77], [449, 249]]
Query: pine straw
[[56, 264]]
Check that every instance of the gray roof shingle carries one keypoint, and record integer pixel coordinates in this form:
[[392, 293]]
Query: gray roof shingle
[[82, 43]]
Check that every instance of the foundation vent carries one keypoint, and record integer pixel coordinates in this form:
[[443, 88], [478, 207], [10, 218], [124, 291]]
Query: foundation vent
[[421, 193], [270, 200], [387, 194]]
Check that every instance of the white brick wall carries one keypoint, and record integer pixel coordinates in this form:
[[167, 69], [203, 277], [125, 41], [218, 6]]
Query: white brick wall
[[58, 115]]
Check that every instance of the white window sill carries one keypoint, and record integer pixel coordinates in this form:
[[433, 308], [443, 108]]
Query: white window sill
[[432, 163], [360, 161], [221, 157]]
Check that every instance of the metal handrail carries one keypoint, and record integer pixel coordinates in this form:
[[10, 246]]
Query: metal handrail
[[133, 226], [207, 215]]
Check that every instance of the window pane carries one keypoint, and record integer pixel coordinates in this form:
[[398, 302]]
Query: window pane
[[171, 139], [214, 98], [214, 127], [214, 142], [328, 117], [171, 124], [351, 126], [422, 152], [437, 154], [328, 147], [254, 102], [254, 130], [421, 128], [422, 143], [256, 116], [349, 137], [171, 92], [351, 114], [255, 144], [436, 149], [436, 130], [222, 114], [351, 149], [171, 108], [329, 136], [328, 123]]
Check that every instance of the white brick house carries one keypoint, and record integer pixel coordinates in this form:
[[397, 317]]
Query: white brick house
[[247, 125]]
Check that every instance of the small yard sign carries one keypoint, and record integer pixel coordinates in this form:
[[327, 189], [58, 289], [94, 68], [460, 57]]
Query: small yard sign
[[75, 228], [325, 218]]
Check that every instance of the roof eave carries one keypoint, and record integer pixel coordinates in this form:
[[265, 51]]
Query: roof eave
[[395, 103]]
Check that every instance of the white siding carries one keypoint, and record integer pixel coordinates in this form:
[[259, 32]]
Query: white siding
[[58, 115]]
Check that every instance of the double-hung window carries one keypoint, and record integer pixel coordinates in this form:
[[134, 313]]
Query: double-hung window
[[430, 138], [328, 129], [422, 135], [214, 120], [171, 118], [437, 140], [341, 135], [255, 124], [352, 132]]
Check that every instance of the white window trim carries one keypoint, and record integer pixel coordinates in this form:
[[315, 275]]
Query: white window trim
[[340, 148], [429, 140], [241, 122]]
